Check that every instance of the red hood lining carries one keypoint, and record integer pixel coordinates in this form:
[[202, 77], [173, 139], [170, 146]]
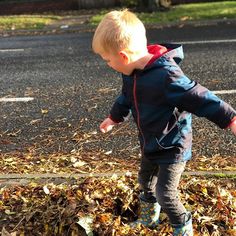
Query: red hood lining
[[157, 51]]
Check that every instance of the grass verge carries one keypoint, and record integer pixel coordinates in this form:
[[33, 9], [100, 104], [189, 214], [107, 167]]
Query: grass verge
[[185, 12], [26, 21], [178, 14]]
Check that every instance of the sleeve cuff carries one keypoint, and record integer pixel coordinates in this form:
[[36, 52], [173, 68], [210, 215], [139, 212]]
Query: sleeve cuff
[[115, 121]]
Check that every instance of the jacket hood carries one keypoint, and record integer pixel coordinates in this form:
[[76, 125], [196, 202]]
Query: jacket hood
[[165, 51]]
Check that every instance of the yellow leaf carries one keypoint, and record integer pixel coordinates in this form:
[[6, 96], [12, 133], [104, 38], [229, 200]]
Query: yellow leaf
[[204, 191], [184, 18], [44, 111]]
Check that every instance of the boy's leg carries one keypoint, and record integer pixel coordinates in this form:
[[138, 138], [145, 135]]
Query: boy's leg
[[149, 207], [147, 178], [159, 183], [167, 192]]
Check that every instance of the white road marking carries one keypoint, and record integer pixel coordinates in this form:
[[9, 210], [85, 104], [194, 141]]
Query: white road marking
[[27, 99], [225, 91], [209, 41], [20, 99], [13, 50], [183, 42]]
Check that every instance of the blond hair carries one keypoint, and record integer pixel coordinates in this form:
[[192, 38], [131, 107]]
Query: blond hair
[[119, 30]]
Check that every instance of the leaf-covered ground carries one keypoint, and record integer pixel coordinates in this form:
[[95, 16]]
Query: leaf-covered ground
[[105, 206]]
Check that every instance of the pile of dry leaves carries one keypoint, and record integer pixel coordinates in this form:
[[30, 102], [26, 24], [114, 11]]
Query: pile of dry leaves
[[104, 206]]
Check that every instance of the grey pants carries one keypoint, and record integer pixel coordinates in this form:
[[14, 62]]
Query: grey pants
[[159, 183]]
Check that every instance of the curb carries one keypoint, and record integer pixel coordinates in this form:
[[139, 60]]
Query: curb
[[195, 23], [82, 28], [108, 174], [24, 179], [47, 31]]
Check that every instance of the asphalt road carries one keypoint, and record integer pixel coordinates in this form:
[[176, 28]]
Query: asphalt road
[[73, 90]]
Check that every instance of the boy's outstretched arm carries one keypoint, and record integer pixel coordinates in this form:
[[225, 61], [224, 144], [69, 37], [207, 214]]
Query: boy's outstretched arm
[[188, 95]]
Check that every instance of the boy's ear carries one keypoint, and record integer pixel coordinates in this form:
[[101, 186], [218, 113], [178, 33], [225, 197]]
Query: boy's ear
[[124, 56]]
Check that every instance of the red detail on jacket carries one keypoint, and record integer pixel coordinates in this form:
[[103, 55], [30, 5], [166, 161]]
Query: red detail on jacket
[[157, 51]]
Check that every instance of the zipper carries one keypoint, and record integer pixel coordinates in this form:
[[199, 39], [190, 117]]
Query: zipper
[[137, 111]]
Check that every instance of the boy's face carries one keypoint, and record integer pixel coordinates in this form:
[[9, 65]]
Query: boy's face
[[118, 62]]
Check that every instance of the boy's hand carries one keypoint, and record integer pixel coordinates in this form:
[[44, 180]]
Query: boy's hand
[[233, 127], [107, 125]]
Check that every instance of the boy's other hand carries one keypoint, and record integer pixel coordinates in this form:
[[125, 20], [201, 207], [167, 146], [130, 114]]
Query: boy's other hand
[[107, 125], [233, 127]]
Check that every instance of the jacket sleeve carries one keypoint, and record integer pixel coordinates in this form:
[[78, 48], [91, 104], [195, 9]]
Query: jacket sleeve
[[120, 109], [190, 96]]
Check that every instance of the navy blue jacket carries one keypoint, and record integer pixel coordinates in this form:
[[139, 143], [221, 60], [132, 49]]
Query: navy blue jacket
[[161, 99]]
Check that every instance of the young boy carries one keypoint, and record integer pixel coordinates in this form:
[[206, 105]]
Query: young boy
[[161, 99]]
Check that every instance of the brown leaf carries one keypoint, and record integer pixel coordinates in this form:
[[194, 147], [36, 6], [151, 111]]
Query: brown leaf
[[5, 232]]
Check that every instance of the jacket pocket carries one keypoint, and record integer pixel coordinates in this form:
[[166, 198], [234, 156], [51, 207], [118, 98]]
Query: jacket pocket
[[162, 146]]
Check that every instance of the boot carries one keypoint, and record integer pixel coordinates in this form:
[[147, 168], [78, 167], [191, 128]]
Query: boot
[[184, 229], [149, 215]]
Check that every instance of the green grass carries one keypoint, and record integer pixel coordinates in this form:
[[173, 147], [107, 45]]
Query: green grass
[[186, 12], [224, 176], [178, 13], [26, 21]]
